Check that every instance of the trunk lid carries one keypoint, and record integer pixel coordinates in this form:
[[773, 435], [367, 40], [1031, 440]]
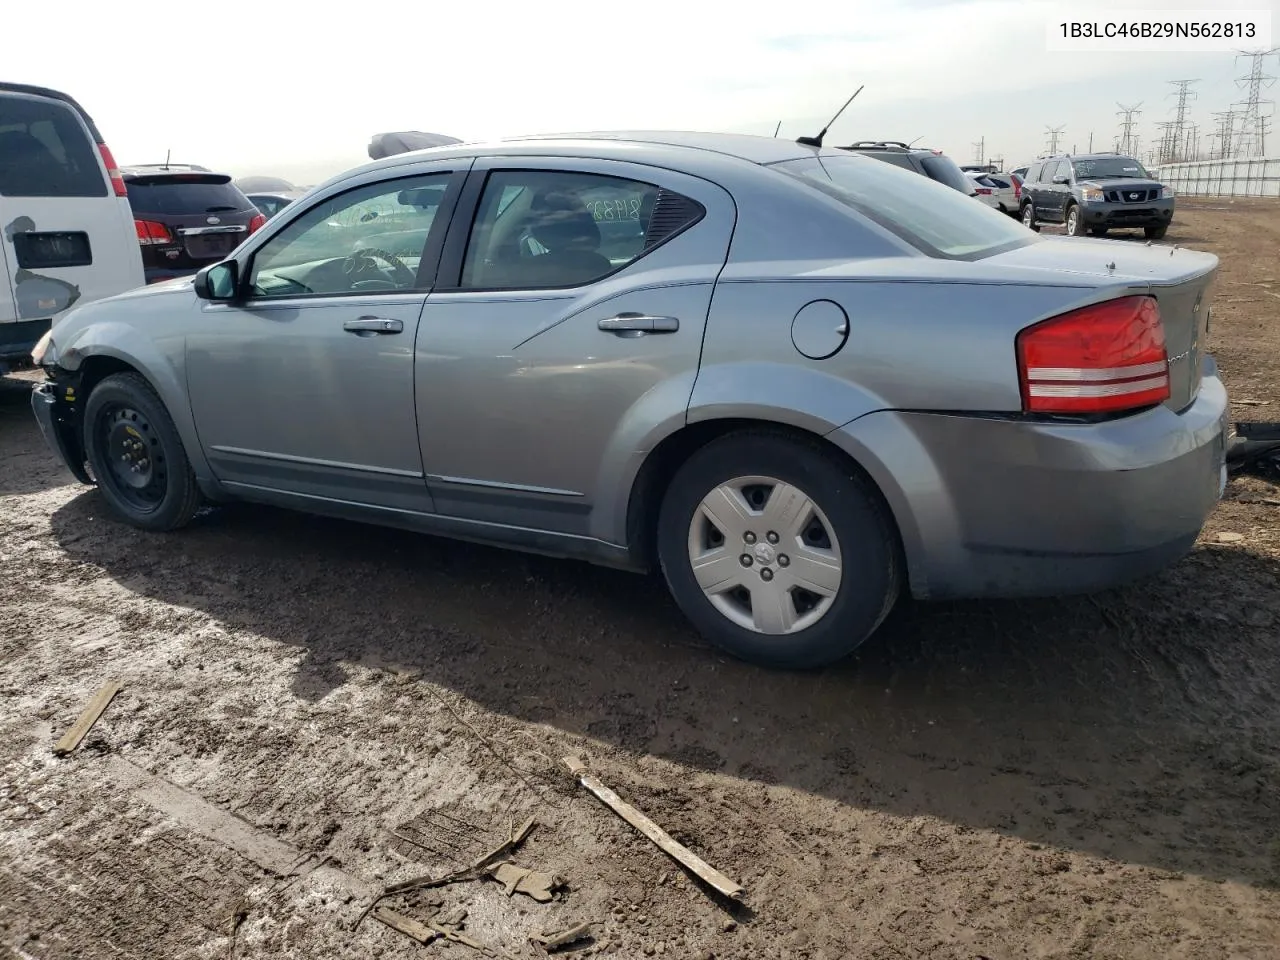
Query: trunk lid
[[1180, 280]]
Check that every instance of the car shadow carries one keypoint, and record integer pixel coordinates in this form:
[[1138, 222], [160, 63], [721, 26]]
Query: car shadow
[[27, 465], [1139, 725]]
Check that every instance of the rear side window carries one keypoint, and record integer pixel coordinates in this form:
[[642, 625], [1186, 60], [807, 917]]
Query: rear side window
[[185, 195], [945, 170], [897, 159], [935, 219], [45, 151]]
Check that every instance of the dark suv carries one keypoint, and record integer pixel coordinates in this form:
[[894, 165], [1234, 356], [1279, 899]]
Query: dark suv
[[1096, 192], [186, 218], [933, 164]]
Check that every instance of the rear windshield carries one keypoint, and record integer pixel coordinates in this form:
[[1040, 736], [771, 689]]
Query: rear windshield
[[935, 219], [45, 151], [185, 196]]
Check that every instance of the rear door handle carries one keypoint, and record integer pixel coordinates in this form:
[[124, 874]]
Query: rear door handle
[[638, 324], [372, 326]]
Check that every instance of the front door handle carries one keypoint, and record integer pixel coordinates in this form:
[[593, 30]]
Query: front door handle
[[372, 326], [638, 324]]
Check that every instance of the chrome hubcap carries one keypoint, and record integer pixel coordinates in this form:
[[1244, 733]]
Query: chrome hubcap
[[765, 555], [1073, 223], [1028, 217]]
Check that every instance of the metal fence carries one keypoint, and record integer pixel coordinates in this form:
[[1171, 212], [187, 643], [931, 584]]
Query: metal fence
[[1241, 177]]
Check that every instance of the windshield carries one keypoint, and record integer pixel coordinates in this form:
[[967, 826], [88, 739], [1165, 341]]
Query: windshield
[[1110, 168], [936, 219]]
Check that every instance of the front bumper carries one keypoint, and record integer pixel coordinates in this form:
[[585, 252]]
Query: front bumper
[[1155, 213], [992, 507], [59, 425]]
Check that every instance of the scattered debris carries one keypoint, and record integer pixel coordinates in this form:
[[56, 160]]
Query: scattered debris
[[473, 872], [532, 883], [407, 925], [71, 739], [552, 941], [237, 916], [1228, 537], [681, 854], [1252, 403]]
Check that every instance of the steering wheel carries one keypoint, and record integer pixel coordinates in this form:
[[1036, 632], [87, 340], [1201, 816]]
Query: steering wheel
[[360, 262]]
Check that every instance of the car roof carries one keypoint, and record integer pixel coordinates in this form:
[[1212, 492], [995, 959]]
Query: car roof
[[70, 101], [756, 149]]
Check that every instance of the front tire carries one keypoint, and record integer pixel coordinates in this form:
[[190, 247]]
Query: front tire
[[1029, 217], [137, 456], [1073, 221], [1155, 233], [776, 551]]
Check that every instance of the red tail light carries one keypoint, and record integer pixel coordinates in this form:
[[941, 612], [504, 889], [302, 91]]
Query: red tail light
[[258, 221], [1017, 187], [984, 191], [108, 161], [151, 233], [1099, 359]]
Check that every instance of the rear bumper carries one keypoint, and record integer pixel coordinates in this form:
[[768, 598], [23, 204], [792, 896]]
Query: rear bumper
[[18, 338], [1157, 213], [1006, 508]]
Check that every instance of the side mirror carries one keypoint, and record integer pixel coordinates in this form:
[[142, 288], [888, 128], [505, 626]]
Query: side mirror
[[1061, 179], [218, 281]]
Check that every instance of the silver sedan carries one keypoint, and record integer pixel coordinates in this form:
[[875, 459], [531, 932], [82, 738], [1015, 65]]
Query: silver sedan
[[797, 381]]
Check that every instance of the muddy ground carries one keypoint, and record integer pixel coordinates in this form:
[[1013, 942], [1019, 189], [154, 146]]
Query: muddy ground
[[313, 708]]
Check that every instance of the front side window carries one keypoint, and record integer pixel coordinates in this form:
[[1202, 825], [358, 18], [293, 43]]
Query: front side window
[[934, 218], [367, 240], [45, 152], [543, 229], [1051, 170]]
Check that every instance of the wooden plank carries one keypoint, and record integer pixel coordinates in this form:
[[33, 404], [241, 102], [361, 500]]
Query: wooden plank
[[407, 925], [676, 851], [71, 739]]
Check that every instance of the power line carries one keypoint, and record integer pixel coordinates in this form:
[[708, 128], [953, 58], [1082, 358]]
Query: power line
[[1127, 114], [1251, 134], [1055, 136]]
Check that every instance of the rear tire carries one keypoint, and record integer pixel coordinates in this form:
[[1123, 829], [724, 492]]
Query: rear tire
[[1155, 233], [1029, 217], [765, 516], [137, 456]]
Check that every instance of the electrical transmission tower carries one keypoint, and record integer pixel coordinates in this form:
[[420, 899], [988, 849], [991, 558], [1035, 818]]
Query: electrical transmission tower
[[1255, 108], [1226, 135], [1055, 137], [1192, 151], [980, 150], [1177, 129], [1126, 144], [1165, 147]]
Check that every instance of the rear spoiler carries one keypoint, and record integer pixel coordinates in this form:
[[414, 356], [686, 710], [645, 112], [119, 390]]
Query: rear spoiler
[[384, 145], [185, 176]]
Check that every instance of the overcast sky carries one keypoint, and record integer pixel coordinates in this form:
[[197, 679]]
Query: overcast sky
[[295, 88]]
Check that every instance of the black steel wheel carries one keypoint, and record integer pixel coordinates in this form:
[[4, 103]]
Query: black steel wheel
[[137, 456]]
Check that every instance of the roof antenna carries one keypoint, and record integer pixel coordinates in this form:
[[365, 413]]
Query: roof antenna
[[167, 154], [817, 141], [776, 129], [916, 140]]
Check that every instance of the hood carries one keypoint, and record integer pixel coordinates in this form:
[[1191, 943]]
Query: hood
[[405, 141], [1121, 183]]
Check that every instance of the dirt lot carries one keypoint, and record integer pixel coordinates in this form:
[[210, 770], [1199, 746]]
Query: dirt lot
[[312, 709]]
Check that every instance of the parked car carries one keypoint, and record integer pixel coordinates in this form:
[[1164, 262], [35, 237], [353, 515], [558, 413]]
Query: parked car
[[272, 202], [186, 218], [65, 231], [795, 380], [998, 190], [1096, 192], [933, 164]]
